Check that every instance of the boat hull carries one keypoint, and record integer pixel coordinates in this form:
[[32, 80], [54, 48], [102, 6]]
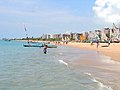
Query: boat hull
[[28, 45], [48, 45]]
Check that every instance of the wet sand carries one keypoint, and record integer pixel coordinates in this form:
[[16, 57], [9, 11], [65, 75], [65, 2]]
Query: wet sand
[[107, 71], [103, 62], [101, 67]]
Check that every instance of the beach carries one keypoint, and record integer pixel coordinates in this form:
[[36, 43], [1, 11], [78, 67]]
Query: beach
[[113, 50], [30, 69], [107, 68], [72, 66]]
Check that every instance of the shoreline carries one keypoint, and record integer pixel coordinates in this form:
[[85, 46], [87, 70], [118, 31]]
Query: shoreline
[[104, 70], [112, 51]]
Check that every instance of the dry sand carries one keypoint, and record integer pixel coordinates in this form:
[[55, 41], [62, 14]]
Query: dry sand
[[113, 50]]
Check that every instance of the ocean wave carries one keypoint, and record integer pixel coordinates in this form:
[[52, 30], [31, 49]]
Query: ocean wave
[[100, 84], [110, 61], [60, 53], [89, 74], [63, 62]]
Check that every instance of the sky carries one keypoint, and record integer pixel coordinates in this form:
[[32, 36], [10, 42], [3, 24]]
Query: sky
[[56, 16]]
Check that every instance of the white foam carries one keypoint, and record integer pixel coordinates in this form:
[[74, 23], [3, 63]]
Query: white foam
[[110, 61], [107, 59], [61, 61], [88, 73], [61, 53], [101, 85]]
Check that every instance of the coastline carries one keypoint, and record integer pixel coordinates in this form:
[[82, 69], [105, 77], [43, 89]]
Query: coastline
[[107, 73], [104, 70], [112, 51]]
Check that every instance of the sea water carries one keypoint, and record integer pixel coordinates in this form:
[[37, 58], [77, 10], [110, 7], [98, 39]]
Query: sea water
[[23, 68]]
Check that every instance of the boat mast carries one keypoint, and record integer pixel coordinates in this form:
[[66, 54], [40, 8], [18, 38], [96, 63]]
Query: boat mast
[[26, 34]]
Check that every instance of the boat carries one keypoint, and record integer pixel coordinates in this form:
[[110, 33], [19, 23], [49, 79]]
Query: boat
[[40, 45], [51, 46], [5, 39], [31, 45], [37, 44]]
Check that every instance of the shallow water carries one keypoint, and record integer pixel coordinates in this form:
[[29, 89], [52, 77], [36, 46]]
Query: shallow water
[[30, 69]]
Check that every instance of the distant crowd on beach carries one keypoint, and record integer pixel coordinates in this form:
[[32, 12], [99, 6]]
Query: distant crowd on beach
[[60, 43], [97, 43]]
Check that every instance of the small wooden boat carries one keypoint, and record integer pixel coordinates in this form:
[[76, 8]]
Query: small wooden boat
[[30, 45], [6, 39], [40, 45], [51, 46], [37, 44]]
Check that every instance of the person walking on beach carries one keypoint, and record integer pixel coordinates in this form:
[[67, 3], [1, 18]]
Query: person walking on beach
[[91, 43], [97, 43], [109, 42], [45, 49]]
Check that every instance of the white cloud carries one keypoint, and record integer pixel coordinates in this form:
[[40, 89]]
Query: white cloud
[[41, 14], [108, 10]]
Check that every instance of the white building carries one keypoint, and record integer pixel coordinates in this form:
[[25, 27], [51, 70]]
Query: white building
[[91, 35], [46, 36], [115, 33], [56, 36]]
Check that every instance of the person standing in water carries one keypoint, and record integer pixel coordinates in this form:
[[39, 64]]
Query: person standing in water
[[45, 49]]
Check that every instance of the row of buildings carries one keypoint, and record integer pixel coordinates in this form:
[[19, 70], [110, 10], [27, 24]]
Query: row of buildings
[[103, 35]]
